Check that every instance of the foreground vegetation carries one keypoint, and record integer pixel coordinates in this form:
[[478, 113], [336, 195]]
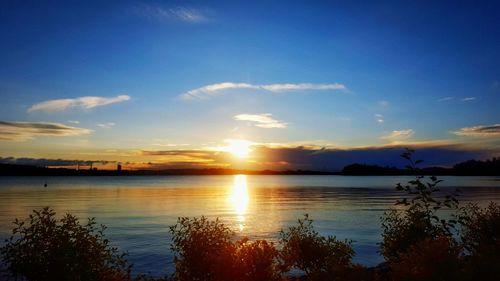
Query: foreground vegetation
[[419, 242]]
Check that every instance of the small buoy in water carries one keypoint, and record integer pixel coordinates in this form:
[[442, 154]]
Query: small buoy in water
[[45, 185]]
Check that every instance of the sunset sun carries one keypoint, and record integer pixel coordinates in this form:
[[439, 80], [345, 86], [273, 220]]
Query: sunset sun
[[239, 148]]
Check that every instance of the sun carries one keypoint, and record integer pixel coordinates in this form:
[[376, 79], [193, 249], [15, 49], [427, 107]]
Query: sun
[[239, 148]]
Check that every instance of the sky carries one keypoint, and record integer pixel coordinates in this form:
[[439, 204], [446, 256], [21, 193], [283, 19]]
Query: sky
[[248, 84]]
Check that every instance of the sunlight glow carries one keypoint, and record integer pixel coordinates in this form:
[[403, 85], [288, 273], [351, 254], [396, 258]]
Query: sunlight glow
[[239, 198], [239, 148]]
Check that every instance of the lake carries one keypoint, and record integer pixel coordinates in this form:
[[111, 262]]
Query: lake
[[138, 210]]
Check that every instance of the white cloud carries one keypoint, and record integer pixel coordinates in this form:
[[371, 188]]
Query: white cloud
[[468, 99], [209, 90], [74, 122], [106, 125], [179, 13], [263, 120], [21, 131], [81, 102], [379, 118], [479, 131], [398, 135]]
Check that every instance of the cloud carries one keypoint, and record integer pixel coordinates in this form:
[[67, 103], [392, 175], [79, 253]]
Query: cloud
[[310, 157], [445, 99], [108, 125], [275, 156], [20, 131], [468, 99], [383, 103], [43, 162], [210, 90], [263, 120], [187, 157], [178, 13], [81, 103], [200, 154], [398, 135], [74, 122], [380, 118], [495, 85], [326, 159], [479, 131], [170, 144]]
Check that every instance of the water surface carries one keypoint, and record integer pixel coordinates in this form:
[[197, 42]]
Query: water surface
[[138, 209]]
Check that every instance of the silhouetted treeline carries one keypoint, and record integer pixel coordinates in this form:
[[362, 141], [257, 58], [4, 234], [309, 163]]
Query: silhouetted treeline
[[468, 168], [362, 170], [375, 170], [473, 167], [25, 170]]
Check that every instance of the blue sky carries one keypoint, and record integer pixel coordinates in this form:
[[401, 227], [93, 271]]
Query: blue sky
[[111, 81]]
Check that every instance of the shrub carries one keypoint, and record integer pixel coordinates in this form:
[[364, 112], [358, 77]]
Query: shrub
[[427, 260], [44, 248], [257, 260], [419, 220], [203, 250], [419, 245], [481, 238], [318, 256], [401, 230]]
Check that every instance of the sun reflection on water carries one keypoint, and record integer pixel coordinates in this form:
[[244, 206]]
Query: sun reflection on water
[[239, 199]]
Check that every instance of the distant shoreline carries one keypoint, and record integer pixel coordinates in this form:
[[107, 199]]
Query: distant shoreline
[[350, 170]]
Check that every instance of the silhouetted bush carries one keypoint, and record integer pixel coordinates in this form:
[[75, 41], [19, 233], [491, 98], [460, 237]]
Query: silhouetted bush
[[44, 248], [418, 244], [418, 220], [432, 259], [206, 250], [401, 230], [318, 256], [203, 250], [257, 260], [481, 238]]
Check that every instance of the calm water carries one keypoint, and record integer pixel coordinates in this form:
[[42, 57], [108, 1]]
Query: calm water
[[138, 210]]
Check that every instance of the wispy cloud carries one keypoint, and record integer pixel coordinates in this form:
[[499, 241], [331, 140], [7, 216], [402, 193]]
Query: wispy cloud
[[21, 131], [108, 125], [399, 135], [42, 162], [468, 99], [202, 154], [171, 144], [495, 85], [479, 131], [383, 103], [74, 121], [179, 13], [379, 118], [210, 90], [264, 120], [445, 99], [80, 102]]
